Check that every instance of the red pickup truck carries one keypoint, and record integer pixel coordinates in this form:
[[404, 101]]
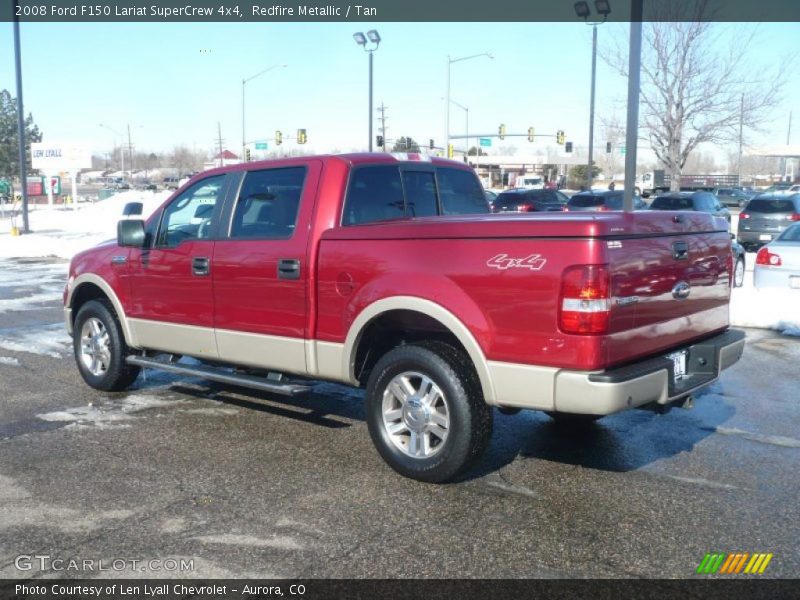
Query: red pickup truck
[[374, 270]]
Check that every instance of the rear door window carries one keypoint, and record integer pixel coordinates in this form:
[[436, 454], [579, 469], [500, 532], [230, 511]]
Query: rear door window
[[375, 194]]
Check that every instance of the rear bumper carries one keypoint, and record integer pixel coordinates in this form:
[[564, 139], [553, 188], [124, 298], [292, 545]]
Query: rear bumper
[[648, 381], [753, 236], [775, 277]]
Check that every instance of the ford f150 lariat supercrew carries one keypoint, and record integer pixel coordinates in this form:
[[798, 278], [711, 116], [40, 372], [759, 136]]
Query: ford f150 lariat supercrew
[[374, 270]]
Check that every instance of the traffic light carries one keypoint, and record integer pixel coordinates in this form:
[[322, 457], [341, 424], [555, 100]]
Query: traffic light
[[531, 133], [247, 154], [608, 147], [502, 131], [568, 148], [431, 144], [379, 141], [278, 138], [450, 151], [302, 138], [560, 136]]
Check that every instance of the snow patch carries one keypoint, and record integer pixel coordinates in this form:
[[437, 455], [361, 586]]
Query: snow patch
[[113, 414], [767, 309], [7, 360], [49, 340], [775, 440], [65, 232], [230, 539]]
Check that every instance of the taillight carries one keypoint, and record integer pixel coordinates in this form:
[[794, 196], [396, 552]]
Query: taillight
[[770, 259], [525, 208], [566, 209], [794, 217], [585, 299], [744, 215], [602, 207]]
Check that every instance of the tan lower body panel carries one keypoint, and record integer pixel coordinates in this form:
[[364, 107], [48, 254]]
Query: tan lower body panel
[[523, 386], [173, 337], [283, 354]]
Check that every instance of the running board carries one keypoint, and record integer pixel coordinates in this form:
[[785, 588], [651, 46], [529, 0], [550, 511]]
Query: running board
[[212, 374]]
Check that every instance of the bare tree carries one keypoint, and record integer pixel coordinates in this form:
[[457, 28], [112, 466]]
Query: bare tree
[[691, 91], [186, 160]]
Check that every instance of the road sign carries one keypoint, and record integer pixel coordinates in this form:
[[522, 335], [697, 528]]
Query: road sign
[[622, 149], [485, 142], [261, 145]]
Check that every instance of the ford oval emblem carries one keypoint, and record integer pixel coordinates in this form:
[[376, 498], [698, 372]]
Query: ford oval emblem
[[681, 290]]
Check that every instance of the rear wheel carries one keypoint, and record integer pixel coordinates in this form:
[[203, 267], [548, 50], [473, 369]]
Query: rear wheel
[[100, 348], [426, 413], [738, 272]]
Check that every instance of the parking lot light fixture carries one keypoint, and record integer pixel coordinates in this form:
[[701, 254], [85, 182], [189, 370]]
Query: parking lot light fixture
[[244, 82], [603, 8], [361, 40], [450, 61], [582, 9]]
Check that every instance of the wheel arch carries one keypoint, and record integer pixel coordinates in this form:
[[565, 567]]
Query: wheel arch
[[450, 324], [89, 286]]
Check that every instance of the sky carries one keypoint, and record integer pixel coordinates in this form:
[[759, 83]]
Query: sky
[[173, 83]]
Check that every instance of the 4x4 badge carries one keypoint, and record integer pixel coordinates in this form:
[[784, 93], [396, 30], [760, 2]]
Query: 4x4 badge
[[534, 262]]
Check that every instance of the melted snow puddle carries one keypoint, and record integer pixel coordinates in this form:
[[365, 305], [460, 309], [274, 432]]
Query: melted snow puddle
[[49, 340]]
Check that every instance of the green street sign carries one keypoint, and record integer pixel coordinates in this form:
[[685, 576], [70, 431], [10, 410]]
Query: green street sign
[[622, 150], [485, 142], [261, 145]]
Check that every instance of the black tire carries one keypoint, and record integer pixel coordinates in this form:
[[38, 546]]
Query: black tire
[[573, 422], [118, 375], [738, 272], [470, 418]]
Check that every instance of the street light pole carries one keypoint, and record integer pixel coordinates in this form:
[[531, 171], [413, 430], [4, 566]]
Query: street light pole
[[589, 169], [632, 126], [244, 82], [373, 37], [450, 61], [21, 130], [369, 112], [466, 111]]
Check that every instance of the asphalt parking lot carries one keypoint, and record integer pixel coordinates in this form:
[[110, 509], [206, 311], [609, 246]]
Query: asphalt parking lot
[[244, 484]]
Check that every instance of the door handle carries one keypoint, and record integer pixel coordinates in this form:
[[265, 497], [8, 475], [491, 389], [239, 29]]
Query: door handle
[[200, 266], [288, 268]]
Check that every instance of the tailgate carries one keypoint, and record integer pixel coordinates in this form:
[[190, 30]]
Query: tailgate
[[668, 287]]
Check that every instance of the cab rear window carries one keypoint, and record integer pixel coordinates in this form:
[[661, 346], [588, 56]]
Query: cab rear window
[[765, 205], [586, 201], [672, 203]]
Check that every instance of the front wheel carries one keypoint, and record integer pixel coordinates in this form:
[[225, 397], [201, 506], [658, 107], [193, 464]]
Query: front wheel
[[100, 348], [426, 413]]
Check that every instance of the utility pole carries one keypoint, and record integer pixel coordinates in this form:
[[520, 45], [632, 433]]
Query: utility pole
[[788, 137], [23, 175], [383, 118], [219, 141], [130, 152], [589, 169]]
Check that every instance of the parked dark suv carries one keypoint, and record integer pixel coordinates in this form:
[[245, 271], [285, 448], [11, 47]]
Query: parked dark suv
[[698, 201], [601, 200], [765, 217], [734, 197], [529, 201]]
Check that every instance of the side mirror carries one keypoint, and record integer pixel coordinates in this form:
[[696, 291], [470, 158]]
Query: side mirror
[[132, 208], [130, 232]]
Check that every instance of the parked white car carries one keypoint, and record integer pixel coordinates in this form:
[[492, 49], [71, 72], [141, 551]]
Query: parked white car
[[778, 263]]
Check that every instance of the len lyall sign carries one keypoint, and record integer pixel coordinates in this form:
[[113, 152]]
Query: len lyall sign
[[54, 157]]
